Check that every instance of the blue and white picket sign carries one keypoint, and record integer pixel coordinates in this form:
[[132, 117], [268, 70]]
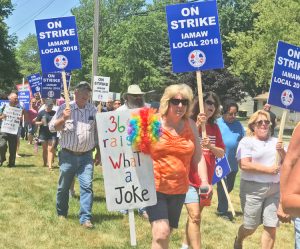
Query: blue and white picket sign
[[194, 36], [24, 99], [35, 82], [222, 169], [285, 85], [3, 102], [51, 85], [58, 44]]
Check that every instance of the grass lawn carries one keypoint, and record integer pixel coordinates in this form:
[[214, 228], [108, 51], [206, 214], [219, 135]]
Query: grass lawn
[[28, 218]]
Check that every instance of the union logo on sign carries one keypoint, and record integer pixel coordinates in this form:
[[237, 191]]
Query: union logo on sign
[[61, 61], [219, 171], [287, 97], [50, 94], [197, 58]]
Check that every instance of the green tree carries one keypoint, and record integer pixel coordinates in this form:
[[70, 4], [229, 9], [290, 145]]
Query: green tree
[[8, 65], [84, 21], [254, 51], [133, 57], [234, 16], [28, 56]]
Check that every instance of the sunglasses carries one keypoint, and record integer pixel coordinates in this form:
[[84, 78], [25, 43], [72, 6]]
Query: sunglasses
[[208, 102], [178, 101], [260, 122]]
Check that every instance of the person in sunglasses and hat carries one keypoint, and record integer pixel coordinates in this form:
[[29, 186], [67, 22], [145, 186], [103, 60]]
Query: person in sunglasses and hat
[[134, 98]]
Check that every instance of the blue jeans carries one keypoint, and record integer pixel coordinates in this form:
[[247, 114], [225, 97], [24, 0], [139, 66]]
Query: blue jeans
[[297, 233], [82, 166], [222, 200]]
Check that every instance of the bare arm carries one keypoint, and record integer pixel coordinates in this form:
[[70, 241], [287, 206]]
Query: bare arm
[[289, 182], [198, 159], [217, 151], [58, 121], [246, 164]]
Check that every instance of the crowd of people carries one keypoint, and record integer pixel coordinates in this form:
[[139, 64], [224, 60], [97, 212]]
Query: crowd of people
[[184, 160]]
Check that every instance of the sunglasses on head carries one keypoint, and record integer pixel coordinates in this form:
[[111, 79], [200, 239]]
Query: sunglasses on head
[[208, 102], [260, 122], [178, 101]]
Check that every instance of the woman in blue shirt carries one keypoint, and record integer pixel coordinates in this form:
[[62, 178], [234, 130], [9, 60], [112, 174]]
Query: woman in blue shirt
[[232, 132]]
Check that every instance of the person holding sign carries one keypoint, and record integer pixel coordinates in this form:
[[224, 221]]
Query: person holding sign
[[78, 138], [47, 138], [134, 98], [232, 132], [259, 187], [290, 184], [177, 150], [10, 137], [212, 147]]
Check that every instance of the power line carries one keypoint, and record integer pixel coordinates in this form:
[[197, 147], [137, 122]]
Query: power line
[[30, 17], [33, 17]]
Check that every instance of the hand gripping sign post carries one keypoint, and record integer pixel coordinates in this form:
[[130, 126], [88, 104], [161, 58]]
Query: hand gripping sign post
[[195, 43], [128, 174], [285, 85], [59, 47]]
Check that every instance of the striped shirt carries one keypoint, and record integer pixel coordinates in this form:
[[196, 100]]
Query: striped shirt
[[79, 133]]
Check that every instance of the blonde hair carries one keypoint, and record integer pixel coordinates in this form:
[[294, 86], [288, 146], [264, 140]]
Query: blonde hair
[[171, 91], [253, 119]]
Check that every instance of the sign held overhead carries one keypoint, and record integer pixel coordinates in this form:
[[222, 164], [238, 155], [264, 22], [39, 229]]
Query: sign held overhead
[[58, 44]]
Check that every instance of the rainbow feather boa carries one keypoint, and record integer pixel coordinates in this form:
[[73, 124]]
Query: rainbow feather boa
[[144, 129]]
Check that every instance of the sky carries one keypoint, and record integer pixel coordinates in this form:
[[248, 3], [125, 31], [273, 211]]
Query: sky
[[21, 22]]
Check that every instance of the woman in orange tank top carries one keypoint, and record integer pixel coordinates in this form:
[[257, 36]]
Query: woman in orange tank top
[[177, 150]]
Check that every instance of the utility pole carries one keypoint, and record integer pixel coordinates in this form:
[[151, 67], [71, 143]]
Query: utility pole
[[95, 41]]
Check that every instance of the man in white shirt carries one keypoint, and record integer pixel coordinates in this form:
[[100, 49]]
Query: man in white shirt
[[134, 98]]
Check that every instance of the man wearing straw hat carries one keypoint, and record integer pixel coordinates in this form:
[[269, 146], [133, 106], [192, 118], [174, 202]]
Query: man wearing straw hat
[[78, 138], [134, 98]]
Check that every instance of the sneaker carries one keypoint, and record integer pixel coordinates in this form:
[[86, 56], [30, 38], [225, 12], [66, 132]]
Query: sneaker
[[87, 224], [225, 215], [18, 156]]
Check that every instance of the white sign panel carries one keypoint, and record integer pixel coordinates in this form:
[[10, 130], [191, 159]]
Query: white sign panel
[[128, 174], [12, 121], [101, 88]]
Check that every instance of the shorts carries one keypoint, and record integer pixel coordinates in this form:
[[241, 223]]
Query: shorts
[[259, 202], [31, 129], [47, 137], [192, 196], [168, 207]]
